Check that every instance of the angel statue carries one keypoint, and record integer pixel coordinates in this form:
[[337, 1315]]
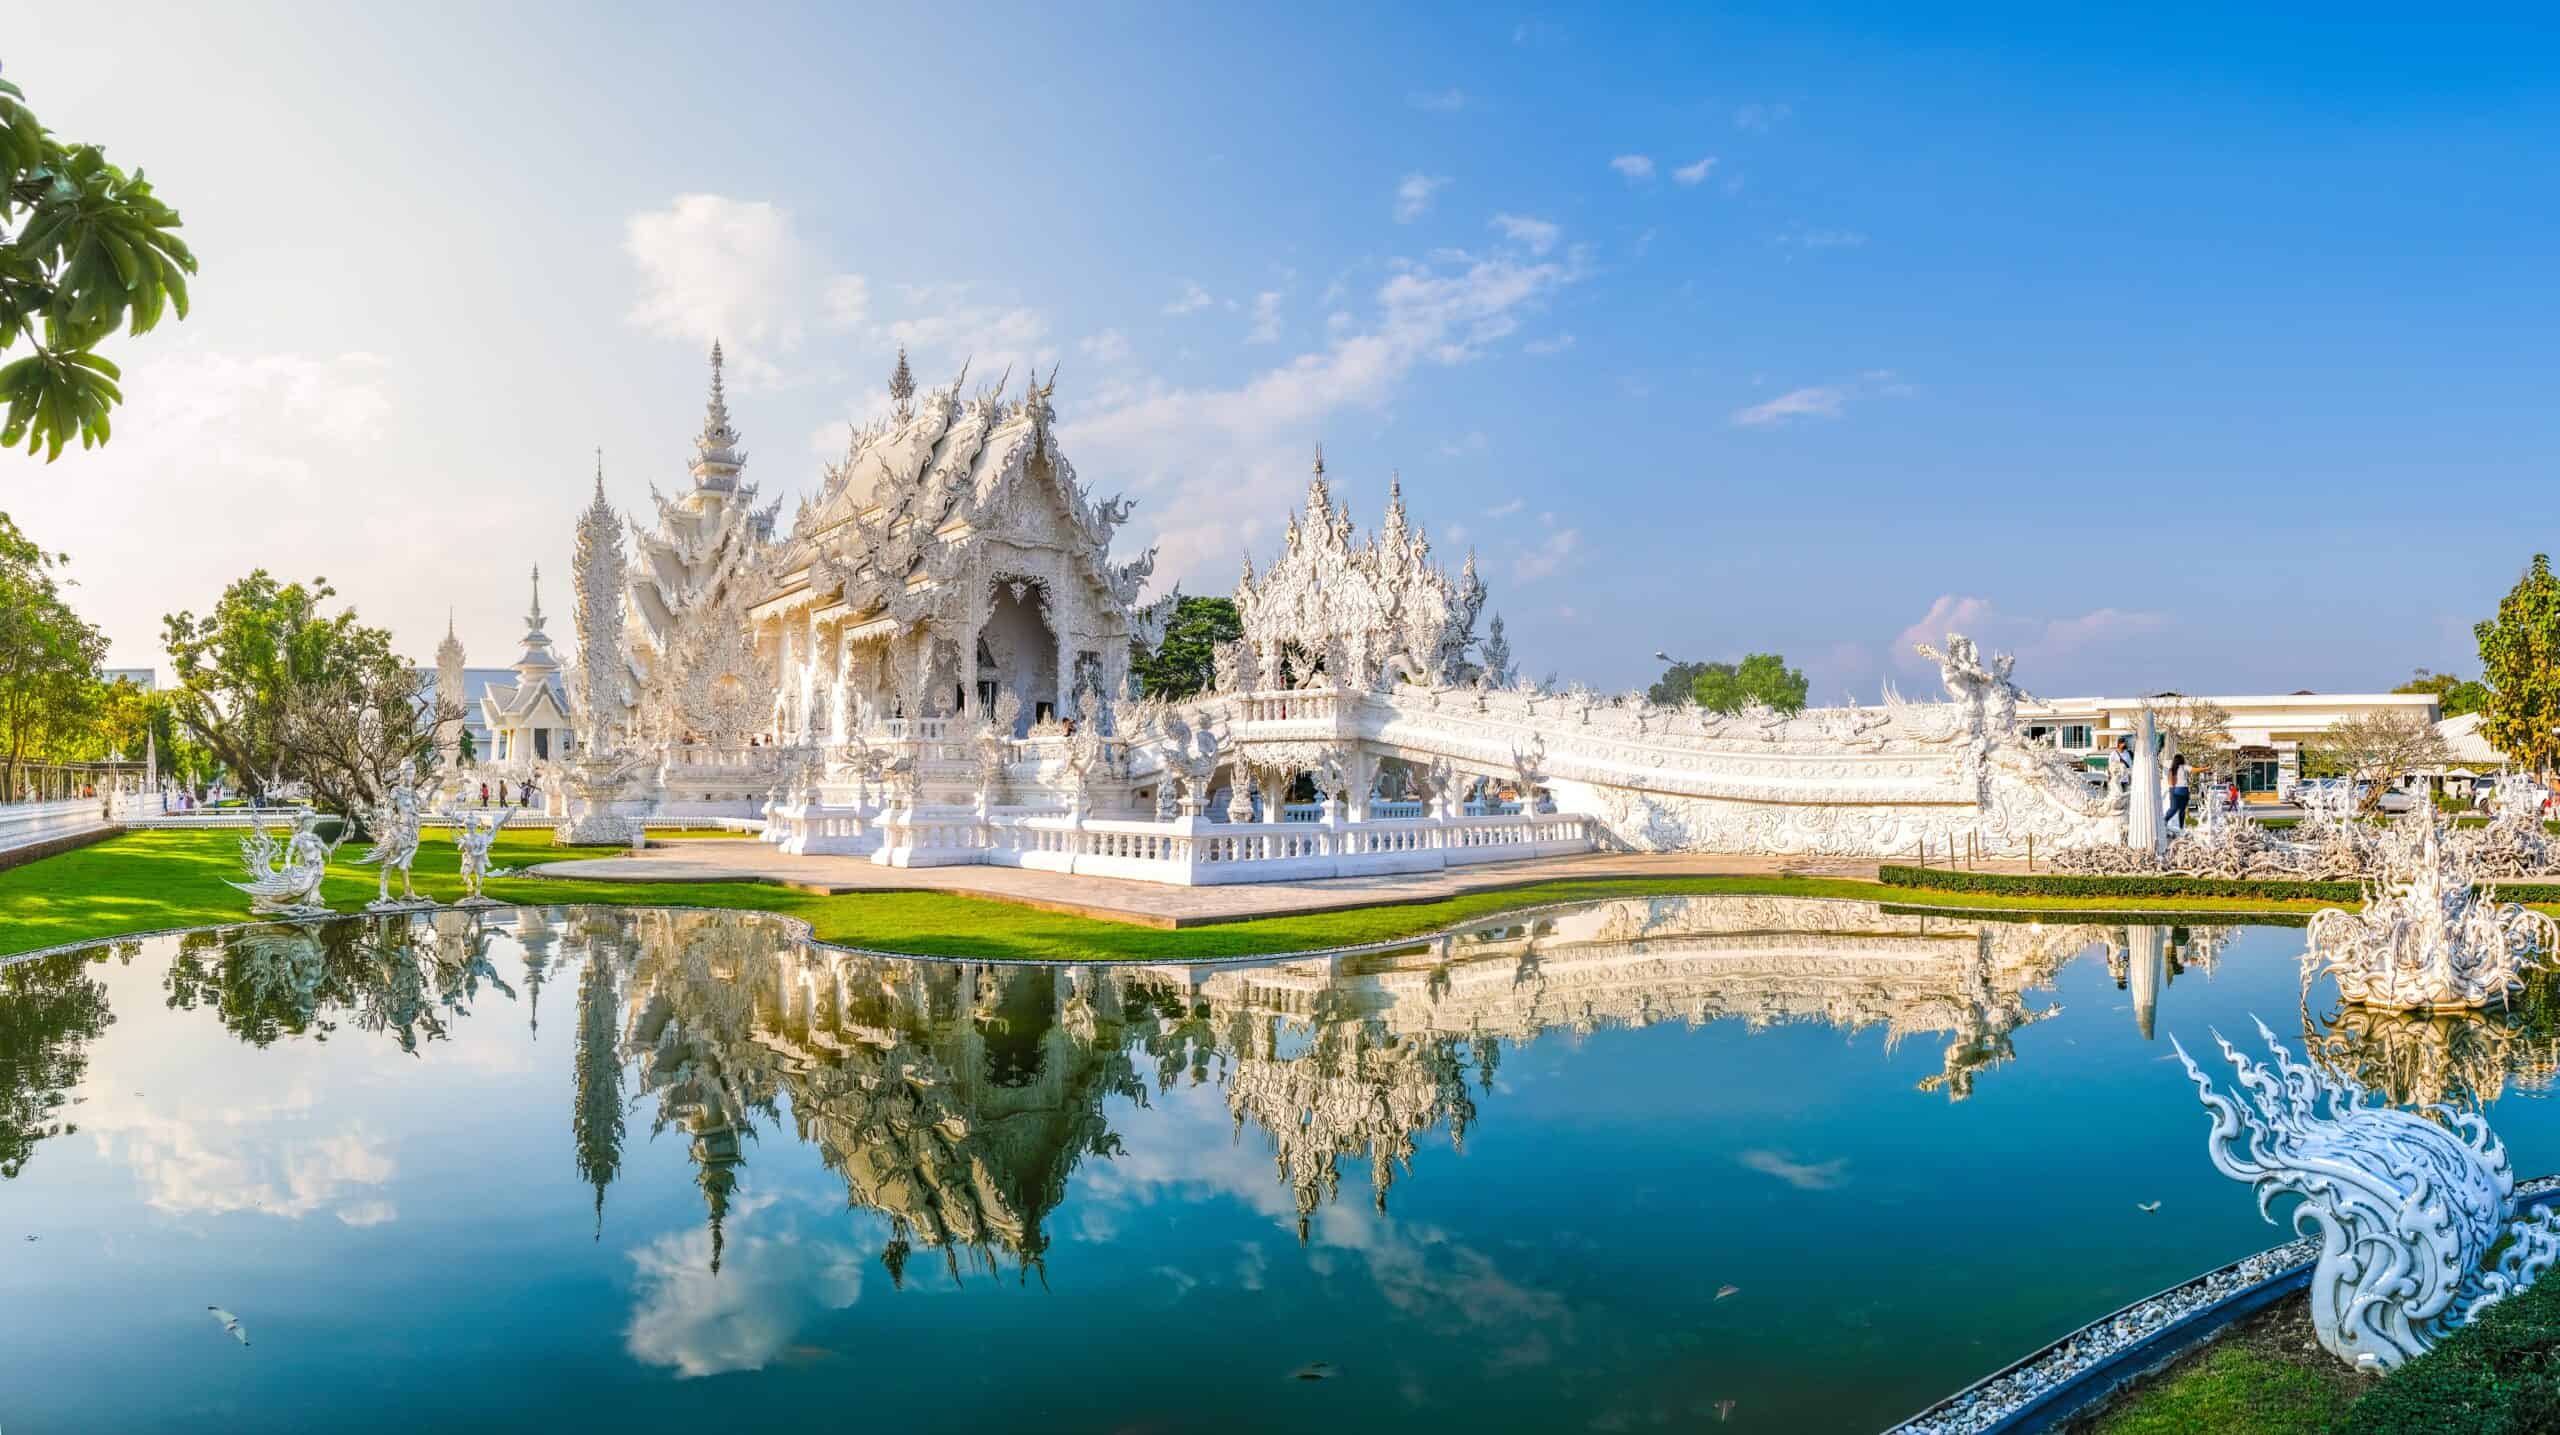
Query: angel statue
[[396, 830], [475, 831], [284, 880]]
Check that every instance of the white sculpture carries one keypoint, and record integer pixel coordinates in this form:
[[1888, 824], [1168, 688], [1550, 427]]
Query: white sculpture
[[2428, 938], [396, 830], [475, 832], [284, 879], [2406, 1208]]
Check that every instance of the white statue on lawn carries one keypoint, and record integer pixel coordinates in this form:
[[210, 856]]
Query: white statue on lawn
[[284, 879], [475, 832], [2429, 937], [397, 826]]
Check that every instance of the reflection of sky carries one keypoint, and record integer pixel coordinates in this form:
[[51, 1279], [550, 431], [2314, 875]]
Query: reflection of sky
[[410, 1232]]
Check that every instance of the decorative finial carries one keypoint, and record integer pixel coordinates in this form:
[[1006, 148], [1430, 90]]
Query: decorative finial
[[536, 619], [717, 460], [1319, 460], [599, 471], [902, 385]]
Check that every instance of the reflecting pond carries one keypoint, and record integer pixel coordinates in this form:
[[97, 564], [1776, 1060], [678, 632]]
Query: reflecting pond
[[1791, 1165]]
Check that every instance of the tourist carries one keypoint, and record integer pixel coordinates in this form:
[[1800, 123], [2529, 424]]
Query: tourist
[[2177, 817], [2122, 778], [484, 794], [528, 794]]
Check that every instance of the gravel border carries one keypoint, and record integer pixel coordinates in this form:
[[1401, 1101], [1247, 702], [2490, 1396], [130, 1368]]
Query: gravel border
[[2074, 1374]]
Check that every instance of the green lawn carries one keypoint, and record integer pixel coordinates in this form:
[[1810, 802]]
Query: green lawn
[[151, 881]]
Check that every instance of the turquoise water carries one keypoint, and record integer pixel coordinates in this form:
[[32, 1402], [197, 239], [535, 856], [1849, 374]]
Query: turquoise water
[[1801, 1165]]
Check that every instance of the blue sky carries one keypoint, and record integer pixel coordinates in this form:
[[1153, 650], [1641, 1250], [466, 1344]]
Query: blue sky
[[2164, 347]]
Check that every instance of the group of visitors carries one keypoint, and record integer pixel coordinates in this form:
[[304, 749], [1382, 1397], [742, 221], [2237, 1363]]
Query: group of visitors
[[524, 794]]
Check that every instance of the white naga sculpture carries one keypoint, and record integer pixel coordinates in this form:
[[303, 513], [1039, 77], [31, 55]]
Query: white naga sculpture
[[284, 879], [2428, 938], [475, 831], [2405, 1207], [396, 824]]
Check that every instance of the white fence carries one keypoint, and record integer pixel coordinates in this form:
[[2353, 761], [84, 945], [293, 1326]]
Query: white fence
[[1188, 852], [24, 824]]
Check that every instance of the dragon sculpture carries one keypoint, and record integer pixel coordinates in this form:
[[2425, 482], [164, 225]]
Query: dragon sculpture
[[2406, 1206]]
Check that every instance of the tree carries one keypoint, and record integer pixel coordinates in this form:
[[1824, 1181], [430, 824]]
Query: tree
[[2454, 696], [240, 666], [84, 247], [466, 748], [48, 656], [50, 1010], [355, 735], [2379, 748], [2200, 728], [1678, 685], [1184, 663], [1761, 677], [2520, 663]]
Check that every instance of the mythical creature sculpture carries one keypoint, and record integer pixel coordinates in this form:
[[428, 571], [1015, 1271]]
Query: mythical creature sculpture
[[396, 830], [475, 832], [2428, 938], [284, 878], [2405, 1207]]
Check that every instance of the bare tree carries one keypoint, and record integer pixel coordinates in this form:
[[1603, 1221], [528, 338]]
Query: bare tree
[[2200, 727], [355, 736], [2377, 747]]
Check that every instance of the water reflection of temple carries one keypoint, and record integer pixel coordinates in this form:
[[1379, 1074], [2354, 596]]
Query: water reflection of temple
[[957, 1098]]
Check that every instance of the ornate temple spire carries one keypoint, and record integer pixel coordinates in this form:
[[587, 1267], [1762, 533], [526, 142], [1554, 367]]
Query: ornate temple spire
[[1319, 459], [536, 662], [716, 457], [902, 388]]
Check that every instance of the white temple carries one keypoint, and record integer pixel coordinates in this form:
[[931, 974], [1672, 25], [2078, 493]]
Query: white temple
[[934, 666]]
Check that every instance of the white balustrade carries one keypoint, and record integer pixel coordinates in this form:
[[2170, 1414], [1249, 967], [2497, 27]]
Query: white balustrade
[[24, 824]]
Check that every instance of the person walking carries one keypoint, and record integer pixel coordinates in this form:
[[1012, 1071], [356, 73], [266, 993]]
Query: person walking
[[2177, 817], [2122, 778], [484, 794]]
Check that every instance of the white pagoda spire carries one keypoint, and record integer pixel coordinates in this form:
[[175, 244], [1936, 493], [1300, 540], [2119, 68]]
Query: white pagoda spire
[[716, 456], [536, 662]]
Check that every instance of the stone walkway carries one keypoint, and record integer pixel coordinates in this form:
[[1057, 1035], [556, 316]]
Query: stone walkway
[[1153, 904]]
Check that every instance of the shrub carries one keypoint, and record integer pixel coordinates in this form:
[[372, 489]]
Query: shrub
[[2499, 1375], [2040, 884]]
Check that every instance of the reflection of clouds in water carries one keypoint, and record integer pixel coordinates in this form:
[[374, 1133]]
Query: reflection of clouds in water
[[1803, 1175], [1448, 1288], [769, 1285], [235, 1158]]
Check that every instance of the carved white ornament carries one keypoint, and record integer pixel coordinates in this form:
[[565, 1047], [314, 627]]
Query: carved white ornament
[[2405, 1207], [2428, 938]]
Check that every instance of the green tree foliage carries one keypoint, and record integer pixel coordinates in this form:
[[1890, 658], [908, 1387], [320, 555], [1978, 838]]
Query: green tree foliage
[[50, 1010], [2520, 663], [1678, 685], [264, 652], [84, 248], [1764, 677], [1184, 662], [48, 657], [2454, 696]]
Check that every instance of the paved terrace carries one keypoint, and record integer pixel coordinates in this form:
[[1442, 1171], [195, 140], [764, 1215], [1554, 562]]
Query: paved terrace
[[1154, 904]]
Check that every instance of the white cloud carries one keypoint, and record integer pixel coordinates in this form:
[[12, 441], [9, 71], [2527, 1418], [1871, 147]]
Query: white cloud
[[1414, 194], [735, 270], [1447, 102], [1505, 510], [1191, 298], [1538, 234], [1204, 455], [1804, 238], [1804, 1176], [1108, 347], [1548, 557], [1473, 442], [950, 324], [699, 1323], [1758, 118], [1266, 318], [1636, 167], [1555, 344], [1694, 173], [2041, 639], [1819, 401]]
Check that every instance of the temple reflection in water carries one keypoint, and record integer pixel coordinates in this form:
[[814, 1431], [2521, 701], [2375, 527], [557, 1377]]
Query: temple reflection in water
[[957, 1099]]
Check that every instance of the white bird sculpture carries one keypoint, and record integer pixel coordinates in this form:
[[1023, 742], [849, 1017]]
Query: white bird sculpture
[[286, 881]]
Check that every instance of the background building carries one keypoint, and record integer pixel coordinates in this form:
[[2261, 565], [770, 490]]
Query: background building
[[2270, 730]]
